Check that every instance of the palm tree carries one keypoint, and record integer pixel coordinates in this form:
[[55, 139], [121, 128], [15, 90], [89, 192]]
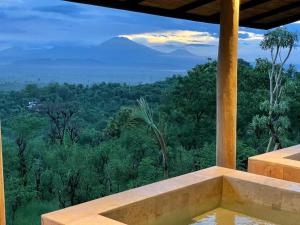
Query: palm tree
[[144, 113]]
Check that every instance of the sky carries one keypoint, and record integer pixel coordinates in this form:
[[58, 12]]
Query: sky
[[47, 23]]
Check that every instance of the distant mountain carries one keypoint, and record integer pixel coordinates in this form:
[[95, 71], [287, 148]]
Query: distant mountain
[[125, 47], [124, 52], [116, 60], [182, 53]]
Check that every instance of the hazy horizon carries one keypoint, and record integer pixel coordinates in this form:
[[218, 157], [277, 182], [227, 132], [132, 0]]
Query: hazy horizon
[[57, 41]]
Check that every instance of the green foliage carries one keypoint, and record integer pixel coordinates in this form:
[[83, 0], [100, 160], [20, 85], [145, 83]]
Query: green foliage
[[30, 212], [279, 37], [106, 142], [121, 120], [144, 113], [243, 153]]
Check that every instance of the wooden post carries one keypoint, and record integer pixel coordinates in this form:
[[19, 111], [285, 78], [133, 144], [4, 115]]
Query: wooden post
[[227, 84], [2, 196]]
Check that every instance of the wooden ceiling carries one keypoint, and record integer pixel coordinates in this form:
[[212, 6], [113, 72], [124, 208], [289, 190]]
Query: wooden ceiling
[[263, 14]]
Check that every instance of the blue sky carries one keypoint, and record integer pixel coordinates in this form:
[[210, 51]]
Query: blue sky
[[46, 23]]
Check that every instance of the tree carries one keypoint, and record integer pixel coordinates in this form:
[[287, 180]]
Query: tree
[[61, 116], [294, 112], [280, 43], [24, 125], [119, 121], [144, 113], [68, 173], [190, 107], [16, 196]]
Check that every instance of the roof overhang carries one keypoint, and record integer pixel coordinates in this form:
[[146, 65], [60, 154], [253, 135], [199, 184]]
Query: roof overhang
[[261, 14]]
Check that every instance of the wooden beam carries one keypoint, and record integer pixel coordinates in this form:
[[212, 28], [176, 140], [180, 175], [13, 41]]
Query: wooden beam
[[135, 1], [227, 84], [2, 195], [273, 12], [252, 4], [244, 6], [193, 5], [287, 20]]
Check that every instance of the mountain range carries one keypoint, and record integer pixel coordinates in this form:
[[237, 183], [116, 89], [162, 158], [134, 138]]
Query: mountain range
[[116, 60]]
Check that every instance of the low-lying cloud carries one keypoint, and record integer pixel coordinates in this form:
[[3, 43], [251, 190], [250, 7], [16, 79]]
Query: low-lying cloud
[[250, 36], [187, 37]]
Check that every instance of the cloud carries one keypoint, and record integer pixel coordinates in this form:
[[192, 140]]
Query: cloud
[[185, 37], [246, 36], [188, 38]]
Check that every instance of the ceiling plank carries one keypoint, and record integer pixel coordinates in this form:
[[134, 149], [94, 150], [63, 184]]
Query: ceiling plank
[[193, 5], [275, 11], [135, 1], [277, 23], [252, 4]]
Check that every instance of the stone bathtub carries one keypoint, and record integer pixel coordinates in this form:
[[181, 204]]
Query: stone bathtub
[[178, 200]]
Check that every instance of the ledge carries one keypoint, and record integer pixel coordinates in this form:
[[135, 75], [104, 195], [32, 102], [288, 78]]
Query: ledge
[[282, 164]]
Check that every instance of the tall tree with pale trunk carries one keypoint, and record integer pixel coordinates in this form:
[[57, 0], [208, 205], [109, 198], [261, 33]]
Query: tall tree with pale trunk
[[280, 42]]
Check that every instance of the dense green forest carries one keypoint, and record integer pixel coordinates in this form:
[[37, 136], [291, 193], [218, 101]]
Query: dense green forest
[[65, 144]]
